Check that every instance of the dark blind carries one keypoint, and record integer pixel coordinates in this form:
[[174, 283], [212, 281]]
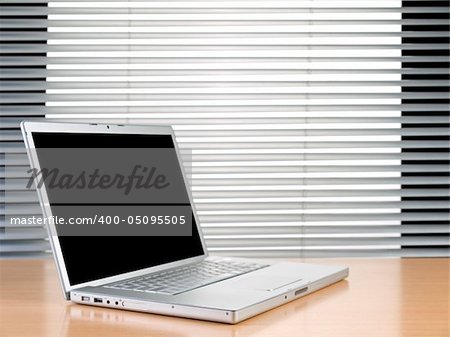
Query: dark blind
[[23, 37], [425, 112]]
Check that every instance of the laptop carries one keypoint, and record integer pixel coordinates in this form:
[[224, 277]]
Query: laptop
[[125, 233]]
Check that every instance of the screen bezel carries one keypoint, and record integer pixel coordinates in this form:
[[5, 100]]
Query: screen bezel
[[28, 128]]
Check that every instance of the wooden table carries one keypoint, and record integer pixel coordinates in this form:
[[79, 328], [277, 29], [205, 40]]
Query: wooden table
[[382, 297]]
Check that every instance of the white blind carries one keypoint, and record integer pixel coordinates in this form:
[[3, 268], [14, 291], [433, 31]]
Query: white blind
[[289, 114]]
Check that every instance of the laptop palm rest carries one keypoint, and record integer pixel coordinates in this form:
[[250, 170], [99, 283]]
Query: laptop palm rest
[[267, 283]]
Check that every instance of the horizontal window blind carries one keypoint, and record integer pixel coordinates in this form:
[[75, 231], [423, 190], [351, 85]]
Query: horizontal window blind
[[22, 91], [290, 114], [434, 176]]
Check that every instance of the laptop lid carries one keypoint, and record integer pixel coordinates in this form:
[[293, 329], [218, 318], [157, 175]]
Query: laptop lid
[[115, 200]]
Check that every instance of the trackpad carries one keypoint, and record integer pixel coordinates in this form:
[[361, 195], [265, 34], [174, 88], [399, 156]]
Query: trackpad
[[267, 283]]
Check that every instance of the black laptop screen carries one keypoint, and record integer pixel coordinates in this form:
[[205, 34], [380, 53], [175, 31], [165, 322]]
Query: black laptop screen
[[125, 197]]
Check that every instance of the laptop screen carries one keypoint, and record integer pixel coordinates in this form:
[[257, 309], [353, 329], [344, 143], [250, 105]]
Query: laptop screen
[[119, 202]]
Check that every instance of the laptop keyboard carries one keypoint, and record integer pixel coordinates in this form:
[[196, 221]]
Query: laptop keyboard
[[179, 280]]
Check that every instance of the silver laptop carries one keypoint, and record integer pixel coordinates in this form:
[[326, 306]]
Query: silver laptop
[[125, 233]]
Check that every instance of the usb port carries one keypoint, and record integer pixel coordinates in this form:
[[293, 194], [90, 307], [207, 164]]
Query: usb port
[[85, 298], [98, 300]]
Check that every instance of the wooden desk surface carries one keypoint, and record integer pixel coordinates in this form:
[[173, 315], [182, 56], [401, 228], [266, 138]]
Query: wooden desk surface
[[382, 297]]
